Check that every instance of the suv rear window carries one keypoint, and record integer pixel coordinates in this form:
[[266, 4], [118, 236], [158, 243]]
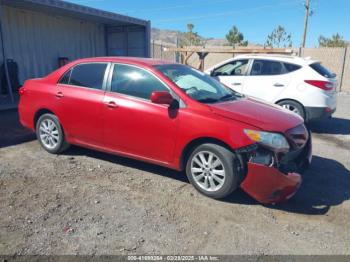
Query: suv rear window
[[321, 70]]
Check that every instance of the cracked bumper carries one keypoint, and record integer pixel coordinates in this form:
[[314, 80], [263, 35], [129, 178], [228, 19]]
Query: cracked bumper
[[268, 185]]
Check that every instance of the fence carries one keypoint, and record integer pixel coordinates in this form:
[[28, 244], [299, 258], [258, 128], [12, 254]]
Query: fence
[[159, 50], [336, 60]]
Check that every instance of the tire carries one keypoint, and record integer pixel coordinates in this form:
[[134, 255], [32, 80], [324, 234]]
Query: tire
[[294, 107], [50, 134], [197, 174]]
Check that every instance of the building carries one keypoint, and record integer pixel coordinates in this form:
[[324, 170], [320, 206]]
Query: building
[[36, 34]]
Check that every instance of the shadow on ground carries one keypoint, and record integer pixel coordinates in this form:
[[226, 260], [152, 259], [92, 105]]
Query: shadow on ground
[[11, 131], [135, 164], [325, 184], [334, 126]]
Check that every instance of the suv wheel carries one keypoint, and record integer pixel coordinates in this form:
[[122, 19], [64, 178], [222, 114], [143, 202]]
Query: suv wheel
[[50, 134], [213, 170], [293, 106]]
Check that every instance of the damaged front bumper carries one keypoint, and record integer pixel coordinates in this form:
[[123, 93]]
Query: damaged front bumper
[[276, 181], [268, 185]]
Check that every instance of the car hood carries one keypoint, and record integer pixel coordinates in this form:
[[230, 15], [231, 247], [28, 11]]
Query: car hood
[[265, 116]]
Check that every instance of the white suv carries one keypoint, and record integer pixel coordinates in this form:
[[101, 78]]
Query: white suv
[[299, 84]]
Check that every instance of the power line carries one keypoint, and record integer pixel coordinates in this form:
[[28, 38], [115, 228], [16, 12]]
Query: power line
[[191, 18]]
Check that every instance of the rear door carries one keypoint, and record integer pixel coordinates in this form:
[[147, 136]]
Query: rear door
[[232, 74], [266, 80], [133, 125], [80, 94]]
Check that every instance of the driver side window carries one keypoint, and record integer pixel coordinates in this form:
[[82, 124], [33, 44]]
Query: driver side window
[[132, 81], [233, 68]]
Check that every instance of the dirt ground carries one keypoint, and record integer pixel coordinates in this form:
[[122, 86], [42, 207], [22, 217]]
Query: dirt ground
[[86, 202]]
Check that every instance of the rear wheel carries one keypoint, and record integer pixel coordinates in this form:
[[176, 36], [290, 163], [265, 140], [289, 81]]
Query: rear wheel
[[293, 106], [213, 170], [50, 134]]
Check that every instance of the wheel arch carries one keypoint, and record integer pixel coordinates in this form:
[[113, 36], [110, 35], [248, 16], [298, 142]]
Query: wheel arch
[[294, 100], [196, 142], [42, 111]]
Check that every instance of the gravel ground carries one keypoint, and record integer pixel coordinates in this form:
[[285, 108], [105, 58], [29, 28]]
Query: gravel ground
[[86, 202]]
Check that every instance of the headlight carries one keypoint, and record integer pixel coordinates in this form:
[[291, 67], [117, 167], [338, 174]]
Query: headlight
[[271, 140]]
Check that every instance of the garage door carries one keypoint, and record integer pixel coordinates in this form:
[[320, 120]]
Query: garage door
[[126, 41]]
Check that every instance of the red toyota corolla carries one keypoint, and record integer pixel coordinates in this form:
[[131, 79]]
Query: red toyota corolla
[[171, 115]]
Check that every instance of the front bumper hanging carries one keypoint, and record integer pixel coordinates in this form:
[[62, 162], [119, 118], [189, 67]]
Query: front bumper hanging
[[268, 185], [271, 184]]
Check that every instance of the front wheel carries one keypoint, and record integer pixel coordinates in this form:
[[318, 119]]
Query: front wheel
[[213, 170], [50, 134]]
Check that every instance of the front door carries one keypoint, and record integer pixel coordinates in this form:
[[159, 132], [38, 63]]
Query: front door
[[133, 124], [232, 74]]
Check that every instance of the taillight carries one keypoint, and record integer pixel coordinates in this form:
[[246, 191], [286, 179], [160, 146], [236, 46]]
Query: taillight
[[325, 85], [21, 91]]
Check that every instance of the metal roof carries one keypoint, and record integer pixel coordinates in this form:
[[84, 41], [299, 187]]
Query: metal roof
[[63, 8]]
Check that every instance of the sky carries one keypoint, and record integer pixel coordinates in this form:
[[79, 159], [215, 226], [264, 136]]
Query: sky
[[254, 18]]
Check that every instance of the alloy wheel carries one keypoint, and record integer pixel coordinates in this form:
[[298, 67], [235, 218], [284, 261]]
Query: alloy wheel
[[49, 134], [291, 108], [208, 171]]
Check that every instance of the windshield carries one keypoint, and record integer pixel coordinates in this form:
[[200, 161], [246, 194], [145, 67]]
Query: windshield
[[197, 85]]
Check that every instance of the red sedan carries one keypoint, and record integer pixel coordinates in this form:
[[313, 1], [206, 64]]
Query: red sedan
[[171, 115]]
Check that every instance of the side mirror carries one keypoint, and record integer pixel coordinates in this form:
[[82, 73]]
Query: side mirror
[[162, 97]]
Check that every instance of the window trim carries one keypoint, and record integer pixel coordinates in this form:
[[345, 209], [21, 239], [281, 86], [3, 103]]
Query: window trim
[[104, 82], [270, 60], [234, 60], [109, 84]]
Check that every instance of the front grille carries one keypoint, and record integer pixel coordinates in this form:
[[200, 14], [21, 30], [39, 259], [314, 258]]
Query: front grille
[[297, 136]]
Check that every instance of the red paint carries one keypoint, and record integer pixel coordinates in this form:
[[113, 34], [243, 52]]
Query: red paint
[[153, 131], [161, 97], [262, 115], [268, 185]]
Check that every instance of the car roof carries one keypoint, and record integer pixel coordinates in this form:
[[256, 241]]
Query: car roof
[[278, 57], [125, 59]]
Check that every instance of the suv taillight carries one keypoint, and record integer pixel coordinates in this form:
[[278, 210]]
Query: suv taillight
[[325, 85]]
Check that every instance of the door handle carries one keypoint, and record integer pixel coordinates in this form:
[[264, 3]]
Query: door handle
[[111, 104], [59, 94], [278, 85], [236, 84]]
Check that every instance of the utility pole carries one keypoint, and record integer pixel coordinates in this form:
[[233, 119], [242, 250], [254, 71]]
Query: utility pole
[[307, 13]]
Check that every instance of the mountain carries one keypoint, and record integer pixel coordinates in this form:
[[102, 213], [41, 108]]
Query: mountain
[[172, 36]]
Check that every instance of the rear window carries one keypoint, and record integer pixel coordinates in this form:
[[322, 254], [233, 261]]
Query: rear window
[[86, 75], [266, 67], [291, 67], [322, 70]]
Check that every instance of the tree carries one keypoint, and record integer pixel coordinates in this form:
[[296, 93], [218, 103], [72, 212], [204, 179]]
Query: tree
[[334, 41], [190, 38], [279, 38], [235, 37]]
